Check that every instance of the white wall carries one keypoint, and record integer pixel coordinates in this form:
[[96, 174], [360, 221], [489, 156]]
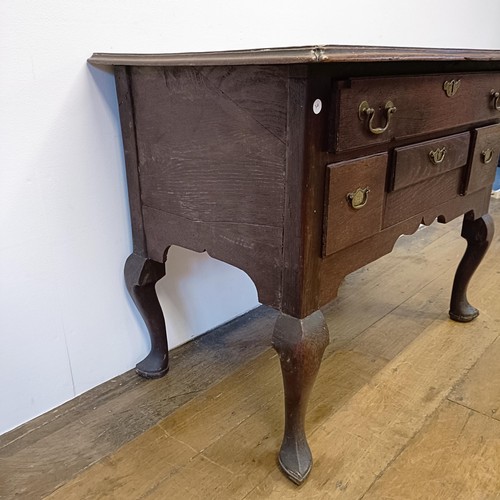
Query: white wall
[[66, 322]]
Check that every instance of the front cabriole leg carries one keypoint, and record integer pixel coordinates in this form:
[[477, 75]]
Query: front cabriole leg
[[479, 234], [300, 344], [141, 275]]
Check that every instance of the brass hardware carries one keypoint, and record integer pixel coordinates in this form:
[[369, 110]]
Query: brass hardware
[[487, 155], [364, 111], [451, 87], [496, 99], [438, 155], [359, 198]]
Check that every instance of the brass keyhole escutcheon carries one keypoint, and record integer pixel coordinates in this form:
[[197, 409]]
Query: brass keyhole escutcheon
[[437, 156], [451, 87], [359, 198], [364, 111], [487, 155]]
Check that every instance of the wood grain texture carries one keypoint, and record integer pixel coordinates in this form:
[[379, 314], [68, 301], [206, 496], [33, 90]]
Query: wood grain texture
[[297, 55], [363, 437], [480, 389], [413, 163], [455, 456], [127, 120], [422, 106], [43, 454], [335, 267], [211, 143], [212, 160], [303, 222], [226, 166], [241, 415], [300, 344], [405, 203], [483, 174], [344, 225], [253, 248]]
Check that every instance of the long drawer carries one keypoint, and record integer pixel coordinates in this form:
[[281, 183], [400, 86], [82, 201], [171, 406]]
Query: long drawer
[[372, 111]]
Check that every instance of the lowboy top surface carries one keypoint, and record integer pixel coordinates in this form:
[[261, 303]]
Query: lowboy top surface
[[297, 55]]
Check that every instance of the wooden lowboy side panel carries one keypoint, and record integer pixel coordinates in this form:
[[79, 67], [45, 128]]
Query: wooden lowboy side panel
[[211, 158], [249, 247], [211, 142]]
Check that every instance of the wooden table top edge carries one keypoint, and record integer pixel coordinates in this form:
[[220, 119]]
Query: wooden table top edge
[[297, 55]]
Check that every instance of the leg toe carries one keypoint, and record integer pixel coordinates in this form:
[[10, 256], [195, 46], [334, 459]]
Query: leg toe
[[296, 462], [464, 316], [154, 365]]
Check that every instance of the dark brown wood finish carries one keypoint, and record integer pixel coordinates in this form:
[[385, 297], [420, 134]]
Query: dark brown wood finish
[[141, 276], [415, 163], [305, 188], [484, 159], [127, 120], [479, 234], [211, 149], [406, 202], [251, 156], [345, 224], [300, 344], [422, 106]]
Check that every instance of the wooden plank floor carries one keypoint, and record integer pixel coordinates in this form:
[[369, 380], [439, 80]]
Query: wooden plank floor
[[407, 402]]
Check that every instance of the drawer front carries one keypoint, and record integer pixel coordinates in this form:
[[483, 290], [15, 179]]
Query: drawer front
[[484, 159], [422, 106], [355, 201], [428, 159], [412, 200]]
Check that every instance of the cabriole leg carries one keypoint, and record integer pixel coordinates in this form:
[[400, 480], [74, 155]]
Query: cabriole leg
[[478, 234], [141, 275], [300, 344]]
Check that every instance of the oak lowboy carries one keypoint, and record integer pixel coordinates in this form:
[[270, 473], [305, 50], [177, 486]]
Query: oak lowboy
[[299, 166]]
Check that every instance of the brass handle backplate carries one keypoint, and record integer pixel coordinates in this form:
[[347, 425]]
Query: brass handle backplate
[[496, 99], [487, 155], [437, 156], [451, 87], [359, 198], [364, 111]]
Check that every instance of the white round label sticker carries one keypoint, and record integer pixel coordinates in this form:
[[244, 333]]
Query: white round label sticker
[[317, 105]]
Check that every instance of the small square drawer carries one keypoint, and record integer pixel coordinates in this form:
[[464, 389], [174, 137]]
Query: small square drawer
[[484, 159], [428, 159], [354, 201]]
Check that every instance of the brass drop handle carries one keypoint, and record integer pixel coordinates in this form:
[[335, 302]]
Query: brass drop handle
[[487, 155], [437, 156], [496, 99], [359, 198], [365, 111]]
